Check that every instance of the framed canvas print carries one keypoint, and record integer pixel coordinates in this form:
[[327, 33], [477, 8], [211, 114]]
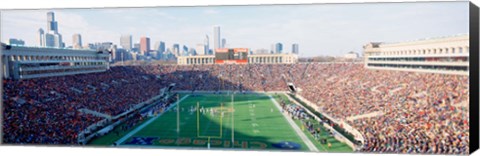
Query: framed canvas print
[[379, 77]]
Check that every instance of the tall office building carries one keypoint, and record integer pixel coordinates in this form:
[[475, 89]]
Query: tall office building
[[52, 25], [224, 43], [113, 49], [144, 45], [278, 48], [52, 37], [295, 48], [206, 42], [77, 41], [41, 37], [216, 37], [176, 49], [136, 46], [49, 40], [184, 50], [126, 42], [159, 46], [192, 52]]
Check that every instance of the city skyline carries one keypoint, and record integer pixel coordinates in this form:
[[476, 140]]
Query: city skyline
[[323, 29]]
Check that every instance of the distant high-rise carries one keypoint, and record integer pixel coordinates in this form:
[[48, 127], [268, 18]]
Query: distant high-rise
[[224, 43], [159, 46], [113, 49], [49, 40], [126, 42], [216, 37], [206, 42], [192, 52], [14, 41], [52, 25], [176, 49], [184, 50], [52, 37], [77, 41], [278, 48], [136, 47], [295, 48], [144, 45], [41, 37]]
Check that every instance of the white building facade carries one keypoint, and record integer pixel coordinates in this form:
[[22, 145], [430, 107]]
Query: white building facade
[[252, 59], [446, 55], [20, 62]]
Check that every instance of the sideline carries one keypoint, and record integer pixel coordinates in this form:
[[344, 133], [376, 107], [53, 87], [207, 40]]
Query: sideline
[[295, 127], [125, 137]]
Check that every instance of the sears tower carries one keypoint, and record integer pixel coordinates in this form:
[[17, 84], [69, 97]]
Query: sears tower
[[51, 38], [51, 23]]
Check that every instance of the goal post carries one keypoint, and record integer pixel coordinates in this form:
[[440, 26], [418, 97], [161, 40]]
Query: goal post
[[220, 134]]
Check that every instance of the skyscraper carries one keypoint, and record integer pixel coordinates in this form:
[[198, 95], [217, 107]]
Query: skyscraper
[[192, 52], [52, 37], [206, 42], [144, 45], [159, 46], [126, 42], [216, 37], [224, 43], [278, 48], [77, 41], [136, 46], [295, 48], [113, 49], [52, 25], [176, 49], [41, 37], [49, 40], [185, 50]]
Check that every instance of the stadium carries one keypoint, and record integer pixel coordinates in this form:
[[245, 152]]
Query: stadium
[[301, 106]]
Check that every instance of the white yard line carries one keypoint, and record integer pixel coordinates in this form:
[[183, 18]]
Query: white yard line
[[295, 127], [125, 137]]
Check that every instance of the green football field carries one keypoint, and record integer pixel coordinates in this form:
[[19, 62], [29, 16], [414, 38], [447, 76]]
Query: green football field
[[206, 119]]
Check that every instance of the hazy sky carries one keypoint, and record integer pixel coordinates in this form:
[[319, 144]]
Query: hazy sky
[[322, 29]]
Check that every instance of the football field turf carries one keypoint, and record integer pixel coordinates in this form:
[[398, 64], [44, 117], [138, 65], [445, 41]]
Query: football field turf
[[257, 124]]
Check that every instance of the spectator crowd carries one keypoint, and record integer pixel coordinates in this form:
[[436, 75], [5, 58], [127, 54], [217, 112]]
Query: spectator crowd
[[396, 112]]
